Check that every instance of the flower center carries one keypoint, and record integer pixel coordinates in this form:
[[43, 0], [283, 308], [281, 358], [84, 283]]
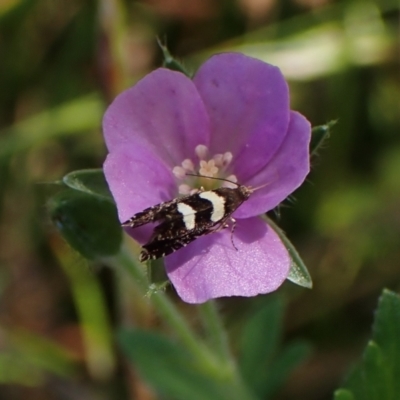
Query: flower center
[[194, 175]]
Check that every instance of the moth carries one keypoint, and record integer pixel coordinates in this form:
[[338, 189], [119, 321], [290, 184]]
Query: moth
[[184, 219]]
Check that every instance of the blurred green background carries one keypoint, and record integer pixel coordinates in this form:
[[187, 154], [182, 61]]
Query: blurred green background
[[62, 63]]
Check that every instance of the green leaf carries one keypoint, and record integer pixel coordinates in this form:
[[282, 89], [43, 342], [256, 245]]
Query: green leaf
[[14, 370], [26, 359], [41, 353], [170, 62], [291, 356], [167, 367], [88, 223], [71, 118], [298, 273], [91, 309], [263, 365], [377, 376], [91, 181], [319, 134], [343, 394], [259, 342], [369, 380], [386, 333]]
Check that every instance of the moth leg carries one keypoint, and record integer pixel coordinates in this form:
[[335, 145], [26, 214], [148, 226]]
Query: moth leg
[[224, 225], [233, 220]]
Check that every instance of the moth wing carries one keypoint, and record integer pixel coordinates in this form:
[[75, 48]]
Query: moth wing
[[160, 248], [151, 214], [172, 235], [174, 225], [169, 229], [167, 242]]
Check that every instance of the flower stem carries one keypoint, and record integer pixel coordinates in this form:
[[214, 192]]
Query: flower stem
[[219, 341], [216, 333], [167, 310], [218, 362]]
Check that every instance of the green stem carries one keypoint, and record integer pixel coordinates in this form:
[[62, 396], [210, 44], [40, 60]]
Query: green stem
[[215, 331], [220, 366], [219, 341], [168, 312]]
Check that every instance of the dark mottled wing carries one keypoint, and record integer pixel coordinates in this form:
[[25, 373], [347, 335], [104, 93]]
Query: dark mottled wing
[[170, 228], [160, 248], [204, 209], [172, 235], [154, 213], [233, 198]]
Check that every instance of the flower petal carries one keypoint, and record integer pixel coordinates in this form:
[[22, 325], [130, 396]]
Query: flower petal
[[163, 112], [285, 172], [211, 267], [247, 101], [137, 180]]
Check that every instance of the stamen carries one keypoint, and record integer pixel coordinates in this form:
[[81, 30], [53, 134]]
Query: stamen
[[223, 160], [201, 151], [218, 158], [184, 189], [179, 172], [188, 165], [231, 184], [227, 158], [208, 168]]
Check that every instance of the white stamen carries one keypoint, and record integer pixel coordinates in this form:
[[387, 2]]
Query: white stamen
[[218, 203], [227, 158], [188, 165], [201, 151], [179, 172], [231, 184], [184, 189], [208, 168], [218, 158]]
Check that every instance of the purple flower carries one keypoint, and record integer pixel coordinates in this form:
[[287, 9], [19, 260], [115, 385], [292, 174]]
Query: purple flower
[[231, 121]]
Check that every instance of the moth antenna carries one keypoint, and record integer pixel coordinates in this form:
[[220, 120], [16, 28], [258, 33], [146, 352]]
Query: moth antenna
[[265, 184], [261, 186], [213, 177]]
